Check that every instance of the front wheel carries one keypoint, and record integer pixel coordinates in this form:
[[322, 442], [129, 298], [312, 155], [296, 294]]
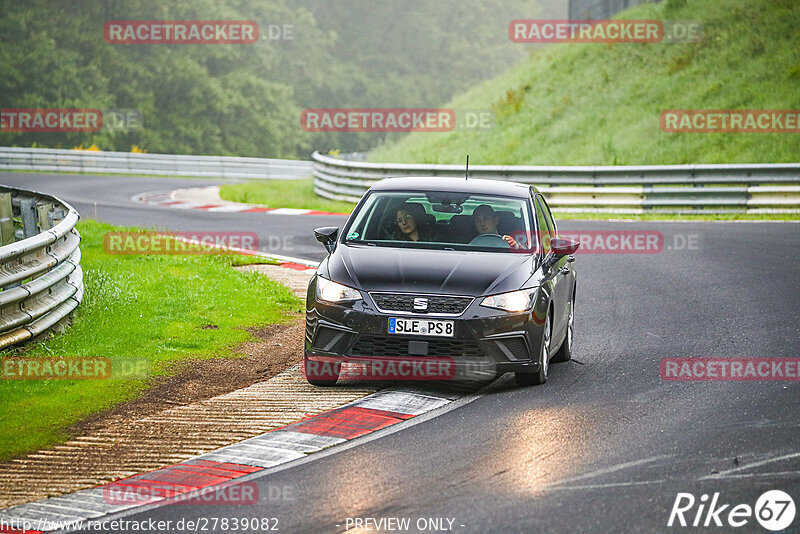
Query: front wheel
[[540, 377], [564, 354]]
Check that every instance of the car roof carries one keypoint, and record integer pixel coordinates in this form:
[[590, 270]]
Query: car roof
[[454, 185]]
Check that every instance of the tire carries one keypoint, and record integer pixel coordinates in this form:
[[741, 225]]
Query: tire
[[327, 379], [564, 354], [539, 377], [322, 383]]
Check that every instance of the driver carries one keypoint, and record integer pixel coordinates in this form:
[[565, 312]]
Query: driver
[[486, 221]]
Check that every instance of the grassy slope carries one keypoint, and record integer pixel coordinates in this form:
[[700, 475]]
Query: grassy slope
[[137, 307], [597, 104]]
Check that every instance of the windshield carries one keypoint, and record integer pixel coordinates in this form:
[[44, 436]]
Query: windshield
[[443, 221]]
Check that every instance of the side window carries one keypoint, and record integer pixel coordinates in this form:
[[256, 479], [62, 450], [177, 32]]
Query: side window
[[551, 223], [545, 230]]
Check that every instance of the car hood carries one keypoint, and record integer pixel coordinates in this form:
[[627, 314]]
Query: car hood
[[427, 271]]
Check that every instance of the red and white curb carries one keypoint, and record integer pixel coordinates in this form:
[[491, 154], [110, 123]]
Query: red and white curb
[[189, 481], [167, 198], [172, 199]]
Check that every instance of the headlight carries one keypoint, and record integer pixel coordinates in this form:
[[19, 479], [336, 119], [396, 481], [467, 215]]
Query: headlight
[[330, 291], [514, 301]]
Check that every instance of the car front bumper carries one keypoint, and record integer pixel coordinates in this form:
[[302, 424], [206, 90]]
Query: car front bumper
[[486, 342]]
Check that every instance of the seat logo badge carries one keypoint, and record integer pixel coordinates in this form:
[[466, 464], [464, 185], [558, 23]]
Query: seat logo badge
[[421, 304]]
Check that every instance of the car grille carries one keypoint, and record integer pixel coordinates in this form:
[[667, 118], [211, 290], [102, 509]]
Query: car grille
[[437, 304], [397, 346]]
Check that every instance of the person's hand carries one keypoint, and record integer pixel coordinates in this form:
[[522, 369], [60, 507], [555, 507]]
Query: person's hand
[[511, 241]]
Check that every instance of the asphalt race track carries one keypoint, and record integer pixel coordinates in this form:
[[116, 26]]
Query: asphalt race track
[[606, 445], [108, 199]]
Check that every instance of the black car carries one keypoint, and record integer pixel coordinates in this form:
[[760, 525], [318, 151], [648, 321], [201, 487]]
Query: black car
[[442, 278]]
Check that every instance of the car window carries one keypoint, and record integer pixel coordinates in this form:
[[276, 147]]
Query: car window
[[442, 220], [545, 229], [551, 222]]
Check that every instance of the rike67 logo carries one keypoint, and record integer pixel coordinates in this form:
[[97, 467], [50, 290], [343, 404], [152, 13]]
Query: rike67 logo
[[774, 510]]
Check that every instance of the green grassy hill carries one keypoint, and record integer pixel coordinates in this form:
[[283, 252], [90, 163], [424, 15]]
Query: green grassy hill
[[599, 104]]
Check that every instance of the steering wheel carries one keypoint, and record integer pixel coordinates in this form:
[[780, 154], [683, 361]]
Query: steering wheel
[[489, 240]]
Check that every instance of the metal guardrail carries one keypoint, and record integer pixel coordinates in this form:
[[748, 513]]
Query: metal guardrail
[[40, 272], [47, 159], [600, 9], [751, 188]]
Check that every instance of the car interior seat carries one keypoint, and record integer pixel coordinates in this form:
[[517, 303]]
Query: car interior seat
[[462, 229], [508, 222]]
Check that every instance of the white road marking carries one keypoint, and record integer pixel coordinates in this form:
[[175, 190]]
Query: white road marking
[[759, 463], [759, 475], [605, 486], [615, 468]]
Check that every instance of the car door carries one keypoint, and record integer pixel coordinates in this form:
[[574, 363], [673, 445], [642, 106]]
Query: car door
[[560, 271]]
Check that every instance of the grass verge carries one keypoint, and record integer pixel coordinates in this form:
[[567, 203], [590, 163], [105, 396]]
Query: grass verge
[[153, 309], [283, 194]]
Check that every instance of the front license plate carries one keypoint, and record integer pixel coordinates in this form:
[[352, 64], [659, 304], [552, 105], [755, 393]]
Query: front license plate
[[420, 327]]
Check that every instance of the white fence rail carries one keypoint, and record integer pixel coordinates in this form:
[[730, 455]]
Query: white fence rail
[[87, 161], [752, 188]]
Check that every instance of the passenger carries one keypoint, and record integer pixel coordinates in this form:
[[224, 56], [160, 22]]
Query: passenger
[[486, 221], [411, 223]]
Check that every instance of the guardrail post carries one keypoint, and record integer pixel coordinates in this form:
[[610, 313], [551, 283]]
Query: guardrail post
[[43, 212], [56, 216], [6, 220], [27, 209]]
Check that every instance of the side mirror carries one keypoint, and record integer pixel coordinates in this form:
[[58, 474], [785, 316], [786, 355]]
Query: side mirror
[[327, 236], [560, 247]]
